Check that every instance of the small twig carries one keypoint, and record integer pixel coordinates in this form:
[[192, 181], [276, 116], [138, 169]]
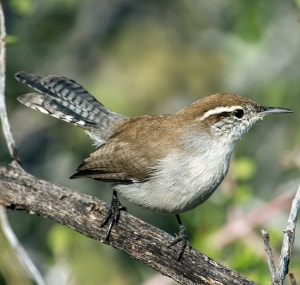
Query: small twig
[[269, 253], [20, 252], [278, 274], [3, 113], [288, 240]]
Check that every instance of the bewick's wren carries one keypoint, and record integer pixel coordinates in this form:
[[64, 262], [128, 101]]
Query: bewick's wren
[[166, 163]]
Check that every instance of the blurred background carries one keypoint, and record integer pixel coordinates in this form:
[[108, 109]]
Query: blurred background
[[150, 57]]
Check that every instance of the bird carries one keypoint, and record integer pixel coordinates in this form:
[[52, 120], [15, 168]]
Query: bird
[[168, 163]]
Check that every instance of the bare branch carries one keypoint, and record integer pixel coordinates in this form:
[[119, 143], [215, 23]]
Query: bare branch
[[288, 241], [278, 274], [269, 253], [3, 113], [18, 250], [22, 191], [22, 255]]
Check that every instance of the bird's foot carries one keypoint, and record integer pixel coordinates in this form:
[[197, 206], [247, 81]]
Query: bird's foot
[[113, 215], [182, 237]]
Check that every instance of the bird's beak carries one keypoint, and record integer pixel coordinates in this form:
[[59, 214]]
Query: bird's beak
[[274, 110]]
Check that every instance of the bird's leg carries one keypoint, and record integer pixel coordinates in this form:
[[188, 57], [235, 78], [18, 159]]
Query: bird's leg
[[181, 237], [113, 214]]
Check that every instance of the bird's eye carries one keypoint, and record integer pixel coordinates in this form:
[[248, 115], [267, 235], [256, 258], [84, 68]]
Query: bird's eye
[[239, 113]]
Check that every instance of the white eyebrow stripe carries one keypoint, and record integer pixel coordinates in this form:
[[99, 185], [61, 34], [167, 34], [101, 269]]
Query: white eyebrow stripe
[[218, 110]]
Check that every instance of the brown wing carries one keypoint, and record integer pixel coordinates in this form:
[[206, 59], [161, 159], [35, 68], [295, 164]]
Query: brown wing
[[132, 151]]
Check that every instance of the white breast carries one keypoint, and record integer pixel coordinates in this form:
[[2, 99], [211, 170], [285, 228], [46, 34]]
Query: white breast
[[182, 180]]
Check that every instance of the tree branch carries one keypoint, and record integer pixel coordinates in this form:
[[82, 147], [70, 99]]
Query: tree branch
[[3, 113], [288, 241], [22, 191], [7, 233], [269, 253], [278, 274]]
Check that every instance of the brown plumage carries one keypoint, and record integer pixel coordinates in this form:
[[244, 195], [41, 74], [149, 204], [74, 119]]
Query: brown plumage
[[127, 155], [131, 152]]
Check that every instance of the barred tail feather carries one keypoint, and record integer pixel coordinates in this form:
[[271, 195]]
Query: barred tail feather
[[67, 100]]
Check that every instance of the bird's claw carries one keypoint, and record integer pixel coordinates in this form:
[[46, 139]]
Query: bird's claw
[[113, 215], [183, 238]]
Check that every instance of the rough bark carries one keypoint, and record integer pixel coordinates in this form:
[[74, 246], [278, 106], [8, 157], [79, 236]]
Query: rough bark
[[22, 191]]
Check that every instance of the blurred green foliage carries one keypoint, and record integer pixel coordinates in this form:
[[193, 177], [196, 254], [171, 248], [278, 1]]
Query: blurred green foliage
[[151, 57]]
